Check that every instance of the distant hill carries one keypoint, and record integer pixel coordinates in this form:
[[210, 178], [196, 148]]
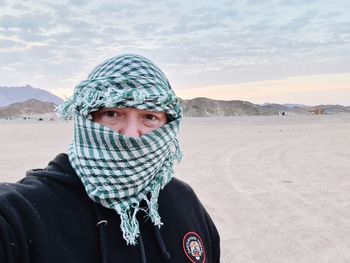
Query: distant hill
[[204, 107], [10, 95], [331, 108], [26, 108], [197, 107]]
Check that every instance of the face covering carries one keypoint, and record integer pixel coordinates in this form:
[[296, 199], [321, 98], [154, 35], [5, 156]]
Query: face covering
[[120, 172]]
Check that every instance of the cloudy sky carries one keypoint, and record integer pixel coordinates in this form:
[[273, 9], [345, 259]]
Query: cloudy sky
[[284, 51]]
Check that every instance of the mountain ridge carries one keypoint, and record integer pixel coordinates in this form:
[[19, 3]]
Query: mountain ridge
[[197, 107], [205, 107], [27, 108], [10, 95]]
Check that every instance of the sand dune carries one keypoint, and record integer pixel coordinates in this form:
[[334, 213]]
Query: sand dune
[[278, 188]]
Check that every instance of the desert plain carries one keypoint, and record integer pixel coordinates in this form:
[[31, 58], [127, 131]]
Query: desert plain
[[277, 187]]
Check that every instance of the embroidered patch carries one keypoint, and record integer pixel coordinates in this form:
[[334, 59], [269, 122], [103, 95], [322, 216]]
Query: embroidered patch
[[193, 247]]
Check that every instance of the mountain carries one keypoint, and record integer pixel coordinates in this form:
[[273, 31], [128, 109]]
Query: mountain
[[294, 105], [10, 95], [26, 108], [331, 108], [197, 107], [204, 107]]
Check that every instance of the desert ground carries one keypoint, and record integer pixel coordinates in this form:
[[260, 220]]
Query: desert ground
[[277, 187]]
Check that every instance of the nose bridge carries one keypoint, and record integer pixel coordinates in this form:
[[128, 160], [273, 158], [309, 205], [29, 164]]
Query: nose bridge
[[132, 127]]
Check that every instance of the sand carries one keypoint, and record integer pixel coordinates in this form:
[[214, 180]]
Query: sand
[[277, 187]]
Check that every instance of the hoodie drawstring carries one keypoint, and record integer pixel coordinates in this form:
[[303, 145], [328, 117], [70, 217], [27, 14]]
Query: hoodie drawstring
[[142, 249], [165, 254], [102, 229]]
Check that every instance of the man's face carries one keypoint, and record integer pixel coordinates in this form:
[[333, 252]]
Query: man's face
[[129, 121]]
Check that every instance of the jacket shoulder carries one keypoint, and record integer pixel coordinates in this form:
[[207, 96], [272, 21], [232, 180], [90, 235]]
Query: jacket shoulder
[[177, 186]]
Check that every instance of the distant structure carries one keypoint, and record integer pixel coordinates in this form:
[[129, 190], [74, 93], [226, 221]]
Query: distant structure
[[282, 113], [317, 112]]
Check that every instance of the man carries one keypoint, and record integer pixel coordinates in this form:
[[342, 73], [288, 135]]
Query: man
[[113, 197]]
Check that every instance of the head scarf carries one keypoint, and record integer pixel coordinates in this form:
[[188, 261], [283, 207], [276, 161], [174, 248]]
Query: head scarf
[[119, 172]]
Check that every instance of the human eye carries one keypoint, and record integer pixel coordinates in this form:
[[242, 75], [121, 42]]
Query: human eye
[[110, 116], [154, 119], [150, 117]]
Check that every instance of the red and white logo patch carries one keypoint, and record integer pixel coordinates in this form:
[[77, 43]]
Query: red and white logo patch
[[193, 247]]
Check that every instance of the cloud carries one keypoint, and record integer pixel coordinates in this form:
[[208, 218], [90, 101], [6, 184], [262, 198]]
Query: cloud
[[258, 2], [203, 20], [198, 43], [78, 3], [6, 44], [309, 90], [300, 22], [128, 10], [147, 28], [28, 27], [10, 57], [114, 31], [295, 2]]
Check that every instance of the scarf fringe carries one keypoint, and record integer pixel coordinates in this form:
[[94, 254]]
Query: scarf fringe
[[129, 224], [87, 100]]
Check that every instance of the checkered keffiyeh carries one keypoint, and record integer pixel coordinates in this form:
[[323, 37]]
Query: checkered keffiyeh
[[123, 81], [119, 172]]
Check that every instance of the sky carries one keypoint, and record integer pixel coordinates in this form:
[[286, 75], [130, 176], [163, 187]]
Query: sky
[[277, 51]]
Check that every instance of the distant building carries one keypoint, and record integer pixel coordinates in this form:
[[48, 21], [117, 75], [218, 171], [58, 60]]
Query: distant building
[[282, 113], [317, 112]]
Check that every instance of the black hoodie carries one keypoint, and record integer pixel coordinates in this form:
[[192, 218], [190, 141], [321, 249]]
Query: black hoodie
[[48, 217]]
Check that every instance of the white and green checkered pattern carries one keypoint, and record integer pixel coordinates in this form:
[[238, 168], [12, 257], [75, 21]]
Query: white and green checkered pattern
[[124, 81], [119, 172]]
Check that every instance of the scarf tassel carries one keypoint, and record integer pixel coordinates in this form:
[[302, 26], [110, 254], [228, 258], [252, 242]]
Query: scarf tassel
[[129, 225]]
